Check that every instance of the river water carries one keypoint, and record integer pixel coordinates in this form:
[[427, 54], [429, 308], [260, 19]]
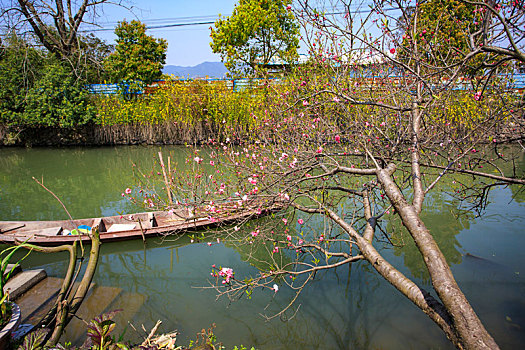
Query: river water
[[346, 308]]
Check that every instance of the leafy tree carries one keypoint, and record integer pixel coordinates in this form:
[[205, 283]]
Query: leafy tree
[[138, 57], [58, 99], [21, 65], [38, 89], [256, 32]]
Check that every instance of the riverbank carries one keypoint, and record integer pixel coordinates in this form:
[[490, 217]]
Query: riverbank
[[168, 133]]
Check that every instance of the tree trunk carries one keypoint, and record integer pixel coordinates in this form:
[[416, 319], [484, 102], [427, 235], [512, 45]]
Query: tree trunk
[[471, 332]]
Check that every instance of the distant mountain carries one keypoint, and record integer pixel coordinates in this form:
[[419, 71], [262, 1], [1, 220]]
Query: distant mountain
[[210, 69]]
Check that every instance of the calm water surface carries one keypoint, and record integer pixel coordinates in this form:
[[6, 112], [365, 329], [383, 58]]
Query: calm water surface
[[347, 308]]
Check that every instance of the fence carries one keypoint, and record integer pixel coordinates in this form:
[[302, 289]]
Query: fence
[[516, 82], [235, 85]]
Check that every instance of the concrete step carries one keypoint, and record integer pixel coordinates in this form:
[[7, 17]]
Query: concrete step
[[22, 282], [10, 267], [36, 302]]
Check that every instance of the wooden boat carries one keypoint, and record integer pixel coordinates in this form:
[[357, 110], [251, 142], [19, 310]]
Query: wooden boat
[[124, 227]]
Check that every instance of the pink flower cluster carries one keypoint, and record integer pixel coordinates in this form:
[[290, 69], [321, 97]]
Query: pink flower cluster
[[477, 96], [227, 273]]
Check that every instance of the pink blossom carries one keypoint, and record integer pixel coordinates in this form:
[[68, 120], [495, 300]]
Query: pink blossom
[[252, 181], [128, 190], [336, 99], [289, 238], [209, 244], [300, 241], [198, 160], [236, 228], [275, 249], [285, 196], [285, 221], [305, 103], [392, 51], [254, 233], [227, 273], [300, 221], [283, 157], [477, 96], [337, 138], [275, 288], [319, 150], [212, 163]]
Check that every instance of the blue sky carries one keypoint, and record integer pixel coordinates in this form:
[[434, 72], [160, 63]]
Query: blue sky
[[187, 45]]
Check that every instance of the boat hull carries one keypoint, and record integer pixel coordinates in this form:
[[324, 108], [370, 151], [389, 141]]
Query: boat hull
[[55, 233]]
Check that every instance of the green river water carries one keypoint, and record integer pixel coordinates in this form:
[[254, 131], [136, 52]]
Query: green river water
[[346, 308]]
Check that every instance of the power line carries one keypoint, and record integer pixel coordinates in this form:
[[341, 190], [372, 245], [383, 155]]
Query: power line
[[153, 27], [180, 21]]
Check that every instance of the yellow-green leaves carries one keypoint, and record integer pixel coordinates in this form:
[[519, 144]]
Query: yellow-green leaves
[[256, 32]]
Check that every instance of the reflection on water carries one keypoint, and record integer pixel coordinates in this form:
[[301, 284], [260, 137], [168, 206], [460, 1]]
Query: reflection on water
[[346, 308]]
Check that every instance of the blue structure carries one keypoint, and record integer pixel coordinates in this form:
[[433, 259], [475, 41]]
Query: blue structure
[[517, 82]]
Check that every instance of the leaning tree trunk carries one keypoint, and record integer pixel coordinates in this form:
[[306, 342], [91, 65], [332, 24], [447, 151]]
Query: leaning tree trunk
[[471, 334]]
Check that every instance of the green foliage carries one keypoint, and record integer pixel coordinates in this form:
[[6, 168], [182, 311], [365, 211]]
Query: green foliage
[[186, 103], [21, 66], [5, 258], [256, 32], [137, 56], [37, 89], [57, 99]]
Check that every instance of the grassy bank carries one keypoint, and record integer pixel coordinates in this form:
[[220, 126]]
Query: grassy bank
[[181, 112]]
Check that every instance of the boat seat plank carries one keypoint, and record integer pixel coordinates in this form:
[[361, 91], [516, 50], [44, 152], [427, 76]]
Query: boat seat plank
[[121, 227], [11, 227], [50, 231]]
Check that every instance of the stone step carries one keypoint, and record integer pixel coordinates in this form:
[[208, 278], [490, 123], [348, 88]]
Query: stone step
[[22, 282], [36, 302]]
